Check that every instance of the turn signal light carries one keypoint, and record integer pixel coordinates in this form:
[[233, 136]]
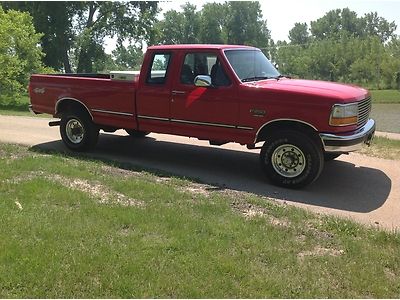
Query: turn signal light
[[343, 121]]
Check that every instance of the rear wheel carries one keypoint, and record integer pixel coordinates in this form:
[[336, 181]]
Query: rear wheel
[[78, 132], [291, 159], [136, 133]]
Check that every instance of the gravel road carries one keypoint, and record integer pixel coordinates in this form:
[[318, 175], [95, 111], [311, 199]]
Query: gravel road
[[362, 188]]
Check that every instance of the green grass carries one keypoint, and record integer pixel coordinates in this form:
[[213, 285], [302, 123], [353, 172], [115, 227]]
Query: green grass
[[8, 112], [383, 147], [18, 104], [67, 231], [17, 107], [385, 96]]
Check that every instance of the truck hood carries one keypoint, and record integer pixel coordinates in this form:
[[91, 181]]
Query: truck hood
[[315, 88]]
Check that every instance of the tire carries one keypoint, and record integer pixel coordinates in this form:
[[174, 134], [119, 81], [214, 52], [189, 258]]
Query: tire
[[78, 131], [136, 133], [291, 159], [331, 156]]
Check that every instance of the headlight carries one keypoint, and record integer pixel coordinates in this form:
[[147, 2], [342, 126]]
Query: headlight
[[344, 114]]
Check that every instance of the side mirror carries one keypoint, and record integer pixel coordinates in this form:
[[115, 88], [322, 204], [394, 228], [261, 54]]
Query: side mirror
[[202, 81]]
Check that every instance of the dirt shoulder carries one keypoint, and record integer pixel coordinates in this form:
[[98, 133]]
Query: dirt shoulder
[[389, 135]]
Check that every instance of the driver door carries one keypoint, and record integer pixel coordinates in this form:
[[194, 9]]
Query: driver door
[[208, 112]]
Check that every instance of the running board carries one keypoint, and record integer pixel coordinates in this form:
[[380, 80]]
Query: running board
[[54, 123], [252, 147]]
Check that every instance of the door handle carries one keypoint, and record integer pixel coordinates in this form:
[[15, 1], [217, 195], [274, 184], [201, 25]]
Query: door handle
[[178, 92]]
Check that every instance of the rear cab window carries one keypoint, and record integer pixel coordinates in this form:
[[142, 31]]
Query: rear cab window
[[159, 68]]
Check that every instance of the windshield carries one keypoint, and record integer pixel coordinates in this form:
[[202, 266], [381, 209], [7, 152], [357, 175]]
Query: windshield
[[251, 65]]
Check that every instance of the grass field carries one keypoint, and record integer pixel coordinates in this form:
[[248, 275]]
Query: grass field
[[385, 96], [74, 227], [17, 107], [383, 148], [19, 104]]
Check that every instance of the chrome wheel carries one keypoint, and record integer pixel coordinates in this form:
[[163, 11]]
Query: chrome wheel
[[75, 131], [288, 160]]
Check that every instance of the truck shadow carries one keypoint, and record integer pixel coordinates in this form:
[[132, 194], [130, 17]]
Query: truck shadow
[[342, 185]]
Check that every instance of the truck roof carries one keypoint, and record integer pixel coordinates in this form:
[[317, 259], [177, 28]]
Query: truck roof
[[198, 46]]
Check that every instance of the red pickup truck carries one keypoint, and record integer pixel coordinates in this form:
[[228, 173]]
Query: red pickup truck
[[220, 93]]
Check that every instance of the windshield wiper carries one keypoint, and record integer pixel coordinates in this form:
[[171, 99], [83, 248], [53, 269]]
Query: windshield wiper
[[255, 78]]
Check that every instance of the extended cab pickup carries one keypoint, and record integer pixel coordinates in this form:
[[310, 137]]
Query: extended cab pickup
[[220, 93]]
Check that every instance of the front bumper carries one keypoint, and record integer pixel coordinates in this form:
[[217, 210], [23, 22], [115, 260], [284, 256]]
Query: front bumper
[[350, 141]]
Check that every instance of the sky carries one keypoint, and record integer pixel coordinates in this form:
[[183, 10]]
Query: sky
[[281, 15]]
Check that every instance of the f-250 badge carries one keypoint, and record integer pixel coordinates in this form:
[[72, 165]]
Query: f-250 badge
[[39, 90]]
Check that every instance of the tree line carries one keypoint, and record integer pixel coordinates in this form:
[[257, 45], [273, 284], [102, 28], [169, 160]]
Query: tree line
[[74, 33], [339, 46]]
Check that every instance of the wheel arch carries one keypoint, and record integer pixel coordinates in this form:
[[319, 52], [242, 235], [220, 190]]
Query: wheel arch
[[63, 104], [287, 124]]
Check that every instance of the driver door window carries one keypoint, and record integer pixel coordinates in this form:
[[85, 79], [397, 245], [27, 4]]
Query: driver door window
[[203, 64]]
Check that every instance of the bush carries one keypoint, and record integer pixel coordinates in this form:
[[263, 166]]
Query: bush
[[20, 54]]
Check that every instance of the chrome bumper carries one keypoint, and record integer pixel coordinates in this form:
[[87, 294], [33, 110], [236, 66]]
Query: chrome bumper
[[349, 142]]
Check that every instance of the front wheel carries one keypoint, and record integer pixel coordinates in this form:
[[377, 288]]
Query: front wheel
[[291, 159], [78, 132]]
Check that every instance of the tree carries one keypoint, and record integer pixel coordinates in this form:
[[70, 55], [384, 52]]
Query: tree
[[245, 24], [293, 60], [54, 20], [170, 30], [126, 20], [343, 47], [299, 34], [336, 23], [191, 25], [179, 27], [378, 26], [339, 22], [236, 22], [213, 23], [128, 58], [75, 31], [20, 55]]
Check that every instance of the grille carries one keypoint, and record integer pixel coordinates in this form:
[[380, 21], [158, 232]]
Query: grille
[[364, 108]]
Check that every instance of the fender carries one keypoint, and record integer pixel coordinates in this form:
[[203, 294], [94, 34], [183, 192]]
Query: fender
[[280, 120], [72, 99]]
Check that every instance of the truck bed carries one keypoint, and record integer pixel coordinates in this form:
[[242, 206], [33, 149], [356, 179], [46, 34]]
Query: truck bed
[[109, 102]]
